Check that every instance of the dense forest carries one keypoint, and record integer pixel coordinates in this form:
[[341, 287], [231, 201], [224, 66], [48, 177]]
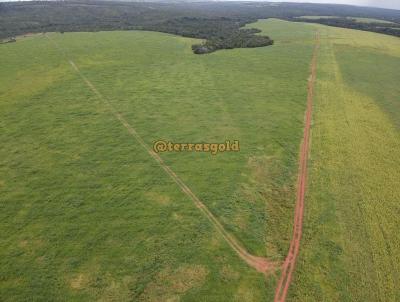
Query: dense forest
[[219, 24], [219, 33]]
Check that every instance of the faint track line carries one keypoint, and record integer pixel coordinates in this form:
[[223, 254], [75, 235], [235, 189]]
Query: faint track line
[[261, 264], [290, 260]]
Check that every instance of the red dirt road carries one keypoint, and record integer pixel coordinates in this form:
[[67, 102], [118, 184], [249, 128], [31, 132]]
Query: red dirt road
[[290, 261]]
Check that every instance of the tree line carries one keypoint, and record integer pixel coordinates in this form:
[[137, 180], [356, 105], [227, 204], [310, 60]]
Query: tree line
[[219, 24]]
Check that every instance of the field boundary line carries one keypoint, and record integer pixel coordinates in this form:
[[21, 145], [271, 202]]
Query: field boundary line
[[261, 264], [290, 260]]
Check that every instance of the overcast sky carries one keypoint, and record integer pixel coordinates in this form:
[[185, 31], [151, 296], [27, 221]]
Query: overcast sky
[[394, 4]]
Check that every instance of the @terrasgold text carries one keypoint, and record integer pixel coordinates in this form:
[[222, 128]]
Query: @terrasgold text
[[212, 148]]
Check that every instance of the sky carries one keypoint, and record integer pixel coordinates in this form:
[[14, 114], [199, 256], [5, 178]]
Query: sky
[[393, 4]]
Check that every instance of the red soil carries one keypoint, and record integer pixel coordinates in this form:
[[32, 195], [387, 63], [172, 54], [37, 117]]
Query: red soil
[[290, 261]]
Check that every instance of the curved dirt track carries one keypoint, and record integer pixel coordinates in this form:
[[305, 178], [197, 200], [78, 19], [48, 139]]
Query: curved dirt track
[[290, 260]]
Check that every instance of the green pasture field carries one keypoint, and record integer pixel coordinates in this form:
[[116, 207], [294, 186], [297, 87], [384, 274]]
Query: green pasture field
[[361, 20], [370, 20], [87, 214], [350, 248]]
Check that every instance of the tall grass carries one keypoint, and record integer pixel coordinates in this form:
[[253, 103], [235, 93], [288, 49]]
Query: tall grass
[[87, 215], [350, 250]]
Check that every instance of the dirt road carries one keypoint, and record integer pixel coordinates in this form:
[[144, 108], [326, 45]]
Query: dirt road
[[290, 260]]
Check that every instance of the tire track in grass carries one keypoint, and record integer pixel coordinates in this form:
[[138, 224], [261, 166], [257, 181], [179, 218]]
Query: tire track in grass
[[290, 260], [262, 265]]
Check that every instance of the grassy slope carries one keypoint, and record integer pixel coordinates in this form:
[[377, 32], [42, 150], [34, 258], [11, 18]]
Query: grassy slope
[[350, 250], [86, 214]]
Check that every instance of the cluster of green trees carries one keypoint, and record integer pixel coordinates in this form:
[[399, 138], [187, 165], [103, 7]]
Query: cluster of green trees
[[219, 33], [238, 39], [383, 28]]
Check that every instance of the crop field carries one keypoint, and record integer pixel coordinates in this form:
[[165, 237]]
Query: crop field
[[350, 250], [87, 213]]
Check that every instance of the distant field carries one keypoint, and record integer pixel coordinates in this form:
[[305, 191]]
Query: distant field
[[318, 17], [86, 214], [370, 20], [361, 20]]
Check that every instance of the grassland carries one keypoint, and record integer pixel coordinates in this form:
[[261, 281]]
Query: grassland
[[86, 214], [318, 17], [360, 20], [370, 20], [350, 250]]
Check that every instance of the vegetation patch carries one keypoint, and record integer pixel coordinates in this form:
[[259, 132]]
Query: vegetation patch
[[220, 33], [79, 281], [366, 24], [349, 249], [171, 284]]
